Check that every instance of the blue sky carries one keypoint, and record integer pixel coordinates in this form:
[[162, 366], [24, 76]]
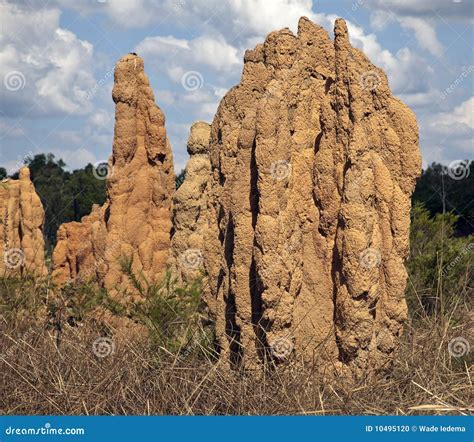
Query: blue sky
[[57, 58]]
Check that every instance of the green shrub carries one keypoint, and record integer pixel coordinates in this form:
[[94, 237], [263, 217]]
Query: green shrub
[[173, 313], [23, 297], [75, 302], [440, 265]]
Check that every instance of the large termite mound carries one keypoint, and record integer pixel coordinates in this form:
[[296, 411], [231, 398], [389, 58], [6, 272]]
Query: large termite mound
[[21, 227], [134, 225], [190, 220], [313, 165]]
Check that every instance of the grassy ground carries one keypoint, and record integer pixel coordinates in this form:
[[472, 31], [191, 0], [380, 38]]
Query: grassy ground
[[56, 359], [40, 377]]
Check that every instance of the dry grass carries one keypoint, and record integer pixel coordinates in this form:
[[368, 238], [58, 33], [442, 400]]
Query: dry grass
[[158, 372], [38, 377]]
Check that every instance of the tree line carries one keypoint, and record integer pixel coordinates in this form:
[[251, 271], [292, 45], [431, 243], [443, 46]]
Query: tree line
[[68, 196]]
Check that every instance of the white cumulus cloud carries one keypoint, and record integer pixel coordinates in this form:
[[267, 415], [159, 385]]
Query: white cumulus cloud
[[44, 68], [459, 120], [213, 52]]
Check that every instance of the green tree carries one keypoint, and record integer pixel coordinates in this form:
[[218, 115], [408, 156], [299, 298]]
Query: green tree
[[49, 178], [66, 196], [180, 178], [84, 190], [442, 190]]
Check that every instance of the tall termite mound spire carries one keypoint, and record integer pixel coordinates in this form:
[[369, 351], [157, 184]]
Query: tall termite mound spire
[[313, 165], [21, 227], [190, 220], [134, 225]]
